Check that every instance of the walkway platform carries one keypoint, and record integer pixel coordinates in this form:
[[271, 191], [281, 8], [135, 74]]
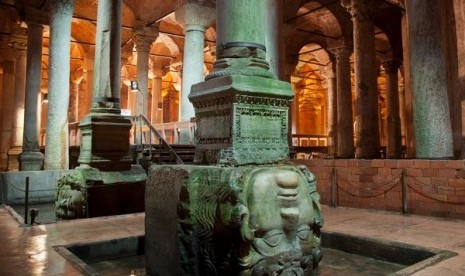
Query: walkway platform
[[30, 250]]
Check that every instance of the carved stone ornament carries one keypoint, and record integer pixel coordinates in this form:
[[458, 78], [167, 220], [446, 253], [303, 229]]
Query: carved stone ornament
[[70, 199], [252, 220]]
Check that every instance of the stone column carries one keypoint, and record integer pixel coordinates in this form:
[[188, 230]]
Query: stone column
[[366, 89], [31, 159], [433, 130], [143, 38], [394, 135], [85, 100], [241, 109], [7, 110], [274, 37], [331, 106], [195, 17], [19, 102], [105, 133], [57, 144], [345, 126], [157, 101], [75, 79]]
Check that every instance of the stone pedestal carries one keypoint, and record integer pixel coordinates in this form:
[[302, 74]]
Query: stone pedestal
[[241, 120], [105, 142], [248, 220], [89, 192]]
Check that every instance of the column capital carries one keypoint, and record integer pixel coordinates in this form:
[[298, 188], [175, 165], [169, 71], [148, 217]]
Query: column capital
[[36, 16], [392, 66], [76, 75], [341, 52], [196, 14], [361, 10], [62, 6], [158, 72], [144, 37], [328, 71]]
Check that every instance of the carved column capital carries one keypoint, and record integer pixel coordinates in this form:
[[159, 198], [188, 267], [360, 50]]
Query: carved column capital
[[62, 6], [392, 66], [328, 71], [77, 75], [341, 52], [144, 37], [195, 14], [361, 10]]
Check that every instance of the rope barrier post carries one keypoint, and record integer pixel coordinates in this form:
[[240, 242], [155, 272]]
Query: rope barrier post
[[404, 192], [26, 200], [333, 188]]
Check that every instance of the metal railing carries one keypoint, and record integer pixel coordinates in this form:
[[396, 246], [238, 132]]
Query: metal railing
[[143, 124]]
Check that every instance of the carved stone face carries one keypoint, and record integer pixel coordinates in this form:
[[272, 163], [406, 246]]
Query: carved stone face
[[278, 226]]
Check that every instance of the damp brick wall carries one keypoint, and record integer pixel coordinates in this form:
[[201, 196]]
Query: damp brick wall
[[433, 187]]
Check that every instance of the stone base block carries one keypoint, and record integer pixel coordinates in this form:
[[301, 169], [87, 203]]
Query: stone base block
[[249, 220], [241, 120], [89, 192], [31, 161]]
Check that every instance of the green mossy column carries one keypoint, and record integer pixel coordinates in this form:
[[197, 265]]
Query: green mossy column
[[241, 109], [433, 130]]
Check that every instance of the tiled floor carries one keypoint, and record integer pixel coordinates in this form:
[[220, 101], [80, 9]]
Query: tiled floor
[[29, 250]]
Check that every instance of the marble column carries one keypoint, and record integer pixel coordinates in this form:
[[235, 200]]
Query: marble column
[[7, 110], [345, 126], [157, 101], [105, 133], [331, 106], [274, 37], [143, 38], [195, 16], [366, 89], [57, 144], [75, 80], [18, 106], [432, 123], [394, 135], [85, 100], [31, 159]]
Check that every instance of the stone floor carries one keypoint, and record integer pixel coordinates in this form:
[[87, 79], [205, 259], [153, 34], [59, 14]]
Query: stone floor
[[30, 250]]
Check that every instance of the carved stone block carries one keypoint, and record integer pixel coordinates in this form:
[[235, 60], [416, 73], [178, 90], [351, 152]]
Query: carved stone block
[[241, 120], [248, 220]]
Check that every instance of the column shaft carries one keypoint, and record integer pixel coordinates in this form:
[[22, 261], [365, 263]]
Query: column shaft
[[56, 153], [142, 79], [7, 110], [366, 90], [433, 130], [345, 126], [394, 137], [20, 93], [157, 101], [192, 67], [331, 107], [31, 158]]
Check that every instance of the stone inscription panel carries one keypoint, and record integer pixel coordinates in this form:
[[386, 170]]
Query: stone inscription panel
[[261, 124]]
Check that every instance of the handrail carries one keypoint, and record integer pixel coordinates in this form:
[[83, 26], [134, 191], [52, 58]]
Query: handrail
[[163, 141]]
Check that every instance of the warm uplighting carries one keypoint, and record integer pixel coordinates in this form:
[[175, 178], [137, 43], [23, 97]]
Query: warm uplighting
[[45, 98]]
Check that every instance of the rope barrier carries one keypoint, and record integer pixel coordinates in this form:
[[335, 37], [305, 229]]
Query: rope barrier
[[433, 198], [386, 183], [368, 196]]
